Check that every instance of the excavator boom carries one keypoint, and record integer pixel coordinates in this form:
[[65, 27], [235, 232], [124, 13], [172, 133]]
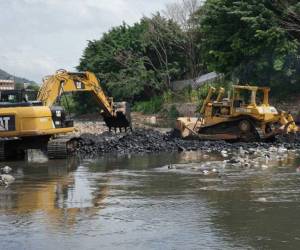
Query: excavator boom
[[115, 115]]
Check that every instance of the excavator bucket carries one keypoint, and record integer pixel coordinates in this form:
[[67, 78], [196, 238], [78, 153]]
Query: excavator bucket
[[121, 118]]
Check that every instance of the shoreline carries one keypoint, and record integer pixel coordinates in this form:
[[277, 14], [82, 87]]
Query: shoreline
[[145, 140]]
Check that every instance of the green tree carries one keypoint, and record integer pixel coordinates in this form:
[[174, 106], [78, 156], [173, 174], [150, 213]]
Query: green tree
[[137, 62], [289, 16], [33, 86], [182, 12], [245, 40]]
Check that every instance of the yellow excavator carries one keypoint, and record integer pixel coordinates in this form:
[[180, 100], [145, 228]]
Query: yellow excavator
[[40, 124], [244, 115]]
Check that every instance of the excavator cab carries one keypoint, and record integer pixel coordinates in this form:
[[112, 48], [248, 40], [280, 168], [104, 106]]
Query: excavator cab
[[18, 97]]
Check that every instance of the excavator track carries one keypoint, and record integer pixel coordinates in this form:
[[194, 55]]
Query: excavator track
[[60, 148], [57, 149]]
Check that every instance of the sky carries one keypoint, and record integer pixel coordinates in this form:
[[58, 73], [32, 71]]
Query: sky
[[37, 37]]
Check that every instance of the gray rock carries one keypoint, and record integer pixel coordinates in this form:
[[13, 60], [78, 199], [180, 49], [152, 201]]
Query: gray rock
[[150, 141], [6, 170], [6, 179]]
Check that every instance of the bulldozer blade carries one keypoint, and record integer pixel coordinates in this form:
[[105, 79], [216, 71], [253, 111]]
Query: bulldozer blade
[[292, 137]]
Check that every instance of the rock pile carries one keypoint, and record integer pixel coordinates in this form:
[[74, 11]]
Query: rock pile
[[138, 141], [259, 157], [149, 141]]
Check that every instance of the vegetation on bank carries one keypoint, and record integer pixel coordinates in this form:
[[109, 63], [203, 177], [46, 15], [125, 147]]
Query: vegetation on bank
[[250, 42], [158, 104]]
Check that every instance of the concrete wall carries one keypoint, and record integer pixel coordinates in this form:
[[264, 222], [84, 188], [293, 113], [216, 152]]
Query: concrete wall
[[184, 109]]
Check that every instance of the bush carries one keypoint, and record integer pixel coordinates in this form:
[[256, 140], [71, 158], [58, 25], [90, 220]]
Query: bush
[[79, 103], [85, 102], [168, 96], [68, 104], [152, 106], [173, 112]]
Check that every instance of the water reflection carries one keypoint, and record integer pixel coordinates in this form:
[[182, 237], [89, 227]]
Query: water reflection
[[63, 190], [140, 202], [56, 189]]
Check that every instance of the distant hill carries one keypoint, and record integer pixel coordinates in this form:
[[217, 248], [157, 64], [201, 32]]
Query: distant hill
[[5, 75]]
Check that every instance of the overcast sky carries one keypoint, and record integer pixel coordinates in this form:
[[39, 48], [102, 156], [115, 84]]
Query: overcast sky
[[37, 37]]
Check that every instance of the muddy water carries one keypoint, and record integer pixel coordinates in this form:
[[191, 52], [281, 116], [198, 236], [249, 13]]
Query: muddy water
[[151, 202]]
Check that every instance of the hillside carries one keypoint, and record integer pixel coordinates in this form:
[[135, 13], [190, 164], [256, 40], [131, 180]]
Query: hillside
[[5, 75]]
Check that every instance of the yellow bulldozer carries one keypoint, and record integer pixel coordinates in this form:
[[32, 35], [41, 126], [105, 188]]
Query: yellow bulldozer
[[245, 115], [41, 124]]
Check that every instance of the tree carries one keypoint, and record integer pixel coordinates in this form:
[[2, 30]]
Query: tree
[[165, 48], [289, 15], [139, 61], [33, 86], [182, 12], [244, 39]]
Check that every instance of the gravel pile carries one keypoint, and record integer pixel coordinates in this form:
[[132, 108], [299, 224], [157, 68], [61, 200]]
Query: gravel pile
[[149, 141], [138, 141]]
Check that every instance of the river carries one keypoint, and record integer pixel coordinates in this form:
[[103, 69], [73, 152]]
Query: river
[[160, 201]]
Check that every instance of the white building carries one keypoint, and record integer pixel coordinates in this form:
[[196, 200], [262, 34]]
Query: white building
[[7, 84]]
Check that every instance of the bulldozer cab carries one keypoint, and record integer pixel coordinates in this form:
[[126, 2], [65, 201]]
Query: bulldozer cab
[[243, 100], [250, 96]]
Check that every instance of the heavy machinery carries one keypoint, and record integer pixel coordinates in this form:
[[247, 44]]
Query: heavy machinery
[[244, 115], [40, 124]]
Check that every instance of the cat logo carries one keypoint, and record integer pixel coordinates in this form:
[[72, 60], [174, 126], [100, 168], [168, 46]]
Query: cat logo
[[7, 123]]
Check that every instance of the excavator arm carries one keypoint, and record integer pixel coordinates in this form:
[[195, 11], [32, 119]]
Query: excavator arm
[[115, 115]]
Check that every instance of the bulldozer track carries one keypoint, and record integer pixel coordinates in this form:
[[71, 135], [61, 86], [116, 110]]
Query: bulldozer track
[[232, 128]]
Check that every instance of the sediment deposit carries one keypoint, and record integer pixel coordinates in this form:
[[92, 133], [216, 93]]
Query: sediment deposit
[[152, 141]]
